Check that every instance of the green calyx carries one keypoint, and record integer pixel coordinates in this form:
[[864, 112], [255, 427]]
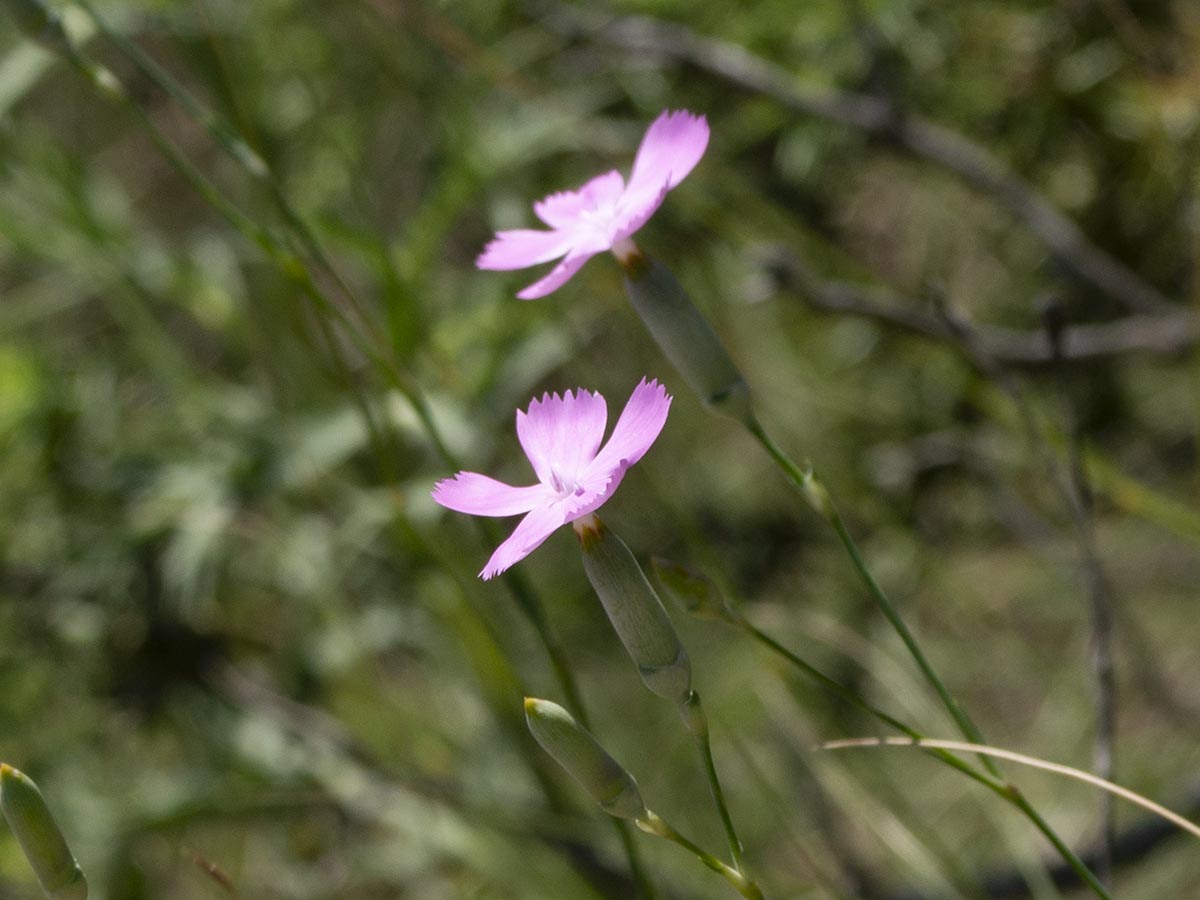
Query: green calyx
[[581, 755], [40, 838], [686, 338], [635, 611]]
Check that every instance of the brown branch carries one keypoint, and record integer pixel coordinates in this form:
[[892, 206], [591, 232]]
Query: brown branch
[[878, 117], [1161, 334]]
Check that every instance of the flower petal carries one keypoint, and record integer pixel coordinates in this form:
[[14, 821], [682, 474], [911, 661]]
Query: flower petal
[[559, 275], [635, 210], [639, 426], [560, 435], [479, 495], [593, 492], [528, 536], [565, 209], [670, 150], [522, 248]]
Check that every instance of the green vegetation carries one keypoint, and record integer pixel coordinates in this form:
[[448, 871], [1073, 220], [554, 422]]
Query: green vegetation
[[951, 246]]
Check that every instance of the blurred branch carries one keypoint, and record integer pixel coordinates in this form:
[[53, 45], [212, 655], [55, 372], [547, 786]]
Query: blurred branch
[[1161, 333], [1076, 488], [880, 118], [1130, 846]]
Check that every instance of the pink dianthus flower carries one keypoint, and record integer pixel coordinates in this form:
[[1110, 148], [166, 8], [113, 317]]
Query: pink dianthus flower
[[606, 211], [561, 437]]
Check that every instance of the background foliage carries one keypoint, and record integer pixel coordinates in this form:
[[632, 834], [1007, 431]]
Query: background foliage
[[243, 651]]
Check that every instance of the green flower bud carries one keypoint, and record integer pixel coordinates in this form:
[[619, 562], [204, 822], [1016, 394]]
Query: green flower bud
[[685, 336], [635, 611], [39, 837], [574, 748], [691, 590]]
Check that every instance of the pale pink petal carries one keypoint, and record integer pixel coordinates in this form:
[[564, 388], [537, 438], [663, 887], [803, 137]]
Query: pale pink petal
[[559, 275], [640, 423], [479, 495], [523, 247], [635, 210], [593, 492], [560, 435], [567, 209], [670, 150], [528, 536]]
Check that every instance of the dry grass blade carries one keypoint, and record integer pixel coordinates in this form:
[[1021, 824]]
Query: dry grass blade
[[1022, 759]]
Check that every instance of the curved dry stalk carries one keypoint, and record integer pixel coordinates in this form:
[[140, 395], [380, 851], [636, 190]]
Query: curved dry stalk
[[1021, 758]]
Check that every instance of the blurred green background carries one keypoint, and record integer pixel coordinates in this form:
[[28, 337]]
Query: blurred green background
[[244, 653]]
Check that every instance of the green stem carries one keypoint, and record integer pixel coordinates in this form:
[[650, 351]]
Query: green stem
[[829, 683], [1001, 788], [641, 878], [694, 717], [652, 823], [818, 497], [964, 722], [237, 147]]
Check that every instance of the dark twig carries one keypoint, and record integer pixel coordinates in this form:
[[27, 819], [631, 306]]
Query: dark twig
[[878, 117], [1130, 846], [1162, 333], [1072, 484], [1076, 489]]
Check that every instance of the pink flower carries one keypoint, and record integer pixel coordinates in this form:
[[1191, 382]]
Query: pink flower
[[561, 436], [604, 212]]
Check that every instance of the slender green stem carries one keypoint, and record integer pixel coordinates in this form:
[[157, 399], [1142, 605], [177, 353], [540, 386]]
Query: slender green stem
[[818, 497], [964, 722], [987, 780], [696, 720], [829, 683], [237, 147], [637, 870], [652, 823]]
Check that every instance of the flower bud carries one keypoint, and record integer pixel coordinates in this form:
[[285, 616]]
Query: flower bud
[[635, 611], [691, 590], [574, 748], [39, 837], [686, 338]]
